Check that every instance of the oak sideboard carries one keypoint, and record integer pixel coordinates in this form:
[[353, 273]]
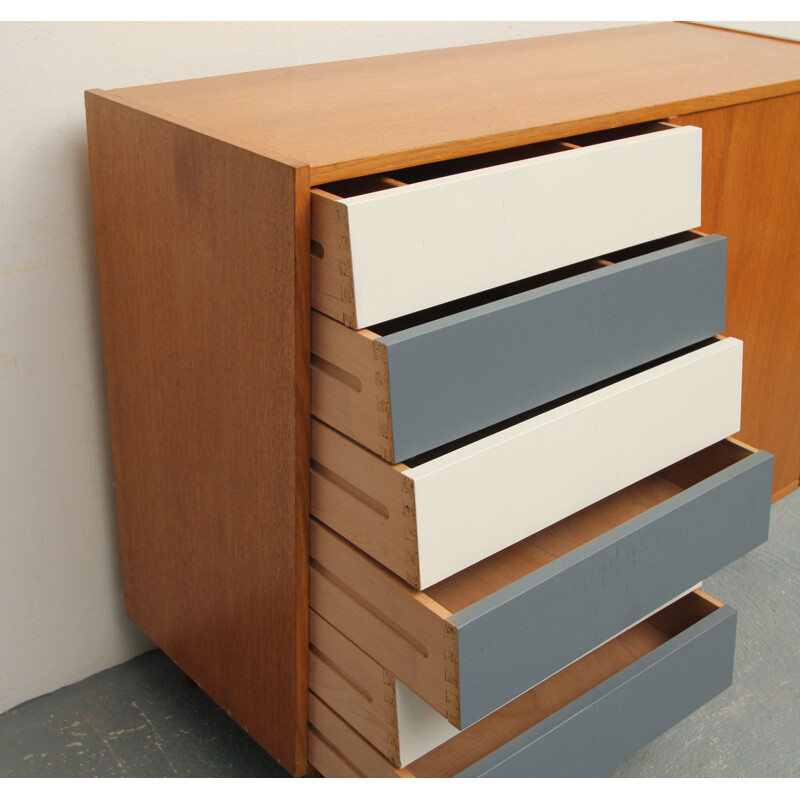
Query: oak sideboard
[[422, 375]]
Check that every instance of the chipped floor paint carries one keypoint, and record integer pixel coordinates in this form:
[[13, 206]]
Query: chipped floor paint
[[134, 720]]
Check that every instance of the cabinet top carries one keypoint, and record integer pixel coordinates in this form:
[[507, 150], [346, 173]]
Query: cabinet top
[[351, 118]]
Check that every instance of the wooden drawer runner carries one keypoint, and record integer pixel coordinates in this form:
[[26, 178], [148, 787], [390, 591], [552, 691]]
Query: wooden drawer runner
[[583, 721], [429, 519], [388, 246], [479, 638], [405, 388]]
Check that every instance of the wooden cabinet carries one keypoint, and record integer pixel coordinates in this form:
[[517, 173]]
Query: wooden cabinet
[[393, 195]]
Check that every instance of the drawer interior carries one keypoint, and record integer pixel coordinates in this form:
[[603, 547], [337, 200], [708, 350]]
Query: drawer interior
[[497, 571]]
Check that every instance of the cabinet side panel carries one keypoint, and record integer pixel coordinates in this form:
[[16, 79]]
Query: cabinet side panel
[[751, 175], [203, 276]]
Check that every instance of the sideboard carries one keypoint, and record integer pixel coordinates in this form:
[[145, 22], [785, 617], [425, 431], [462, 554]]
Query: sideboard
[[213, 246]]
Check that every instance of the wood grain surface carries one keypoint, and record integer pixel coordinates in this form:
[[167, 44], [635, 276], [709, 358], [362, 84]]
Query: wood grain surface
[[203, 269], [350, 384], [365, 499], [751, 193], [399, 627], [357, 688], [332, 288], [336, 750], [354, 117]]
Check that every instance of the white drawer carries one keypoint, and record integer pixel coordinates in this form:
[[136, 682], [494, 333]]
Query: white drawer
[[378, 255], [434, 516]]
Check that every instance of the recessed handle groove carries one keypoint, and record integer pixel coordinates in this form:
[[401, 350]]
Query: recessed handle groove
[[373, 611], [317, 653], [358, 494], [335, 372]]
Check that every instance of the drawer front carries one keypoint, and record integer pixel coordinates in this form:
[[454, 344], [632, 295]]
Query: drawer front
[[636, 685], [596, 733], [468, 660], [416, 246], [411, 391], [608, 584], [429, 521]]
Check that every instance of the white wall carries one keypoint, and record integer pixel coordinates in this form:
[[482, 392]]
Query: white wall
[[780, 30], [61, 610]]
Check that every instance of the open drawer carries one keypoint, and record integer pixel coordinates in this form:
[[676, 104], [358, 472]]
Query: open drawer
[[431, 517], [473, 642], [386, 246], [582, 721], [411, 385]]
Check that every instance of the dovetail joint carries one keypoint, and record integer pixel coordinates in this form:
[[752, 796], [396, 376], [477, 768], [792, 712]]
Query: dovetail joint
[[379, 352], [451, 677]]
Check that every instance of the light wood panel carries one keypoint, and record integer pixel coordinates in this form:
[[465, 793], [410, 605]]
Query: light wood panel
[[383, 615], [368, 115], [331, 262], [357, 688], [371, 501], [203, 268], [337, 751], [350, 383], [751, 193]]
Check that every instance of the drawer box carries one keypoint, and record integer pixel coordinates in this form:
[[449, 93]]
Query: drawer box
[[428, 519], [583, 721], [393, 719], [403, 389], [480, 638], [389, 246]]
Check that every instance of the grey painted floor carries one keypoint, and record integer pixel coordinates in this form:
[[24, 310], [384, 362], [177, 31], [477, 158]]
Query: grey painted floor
[[140, 720]]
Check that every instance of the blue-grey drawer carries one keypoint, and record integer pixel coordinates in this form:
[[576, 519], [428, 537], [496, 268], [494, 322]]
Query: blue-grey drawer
[[601, 729], [409, 386], [582, 721], [474, 641]]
